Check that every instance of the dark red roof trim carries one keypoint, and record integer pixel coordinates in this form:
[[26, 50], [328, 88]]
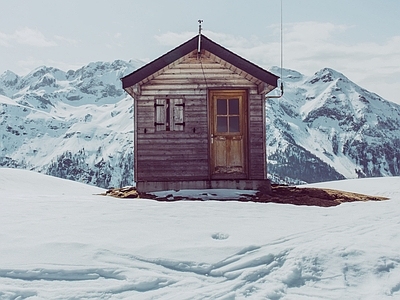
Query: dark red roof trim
[[187, 47]]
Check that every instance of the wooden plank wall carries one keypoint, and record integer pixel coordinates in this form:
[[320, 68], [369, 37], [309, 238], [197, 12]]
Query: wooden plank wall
[[183, 155], [256, 136]]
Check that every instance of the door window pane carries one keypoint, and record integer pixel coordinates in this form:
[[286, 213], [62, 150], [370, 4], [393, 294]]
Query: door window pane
[[233, 106], [234, 124], [221, 107], [222, 124]]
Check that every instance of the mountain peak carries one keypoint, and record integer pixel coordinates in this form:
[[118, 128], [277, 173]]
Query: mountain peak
[[9, 76], [42, 70], [327, 75]]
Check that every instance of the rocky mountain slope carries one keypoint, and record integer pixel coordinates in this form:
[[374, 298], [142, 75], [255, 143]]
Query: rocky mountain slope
[[75, 125], [78, 125], [326, 127]]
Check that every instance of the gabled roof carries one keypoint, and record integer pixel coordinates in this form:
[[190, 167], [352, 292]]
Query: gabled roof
[[187, 47]]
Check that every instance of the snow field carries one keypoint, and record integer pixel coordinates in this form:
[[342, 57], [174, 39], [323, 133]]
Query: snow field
[[60, 240]]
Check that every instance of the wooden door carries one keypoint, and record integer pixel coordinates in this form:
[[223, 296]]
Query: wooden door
[[228, 133]]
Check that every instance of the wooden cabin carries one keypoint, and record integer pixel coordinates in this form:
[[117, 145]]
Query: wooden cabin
[[199, 119]]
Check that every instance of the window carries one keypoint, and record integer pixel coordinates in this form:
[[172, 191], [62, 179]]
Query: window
[[228, 120], [169, 114]]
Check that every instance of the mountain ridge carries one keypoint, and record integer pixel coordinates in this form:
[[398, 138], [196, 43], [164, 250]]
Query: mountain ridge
[[79, 125]]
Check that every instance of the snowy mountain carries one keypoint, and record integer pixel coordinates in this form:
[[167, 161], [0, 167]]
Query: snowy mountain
[[75, 125], [78, 125], [326, 127]]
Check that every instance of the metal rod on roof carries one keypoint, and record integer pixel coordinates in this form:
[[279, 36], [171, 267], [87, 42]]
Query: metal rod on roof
[[281, 41], [199, 43], [281, 79]]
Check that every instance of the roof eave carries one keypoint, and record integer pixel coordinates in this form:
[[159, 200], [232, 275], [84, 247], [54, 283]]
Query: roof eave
[[240, 62], [159, 63]]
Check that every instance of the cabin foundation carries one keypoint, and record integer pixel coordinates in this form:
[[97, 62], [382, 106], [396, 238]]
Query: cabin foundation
[[155, 186]]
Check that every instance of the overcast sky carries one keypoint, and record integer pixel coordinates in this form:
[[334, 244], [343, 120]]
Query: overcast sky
[[359, 38]]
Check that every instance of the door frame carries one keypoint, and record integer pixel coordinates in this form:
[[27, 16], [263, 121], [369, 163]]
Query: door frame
[[244, 127]]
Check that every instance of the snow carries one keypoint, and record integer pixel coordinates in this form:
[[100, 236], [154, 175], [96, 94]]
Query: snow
[[6, 100], [61, 240]]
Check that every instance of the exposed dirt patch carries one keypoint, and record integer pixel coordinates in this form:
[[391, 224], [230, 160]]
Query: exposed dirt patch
[[279, 194], [126, 192], [311, 196]]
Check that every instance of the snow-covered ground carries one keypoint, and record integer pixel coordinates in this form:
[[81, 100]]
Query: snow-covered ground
[[59, 240]]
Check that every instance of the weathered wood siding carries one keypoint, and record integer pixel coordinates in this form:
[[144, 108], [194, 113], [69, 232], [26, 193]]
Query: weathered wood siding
[[184, 155], [256, 136], [173, 155]]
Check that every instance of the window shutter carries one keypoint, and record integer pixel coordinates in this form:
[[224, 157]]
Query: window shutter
[[178, 123], [160, 122]]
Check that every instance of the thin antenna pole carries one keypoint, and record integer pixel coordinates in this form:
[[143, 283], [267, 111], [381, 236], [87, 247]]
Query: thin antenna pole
[[281, 46], [281, 93]]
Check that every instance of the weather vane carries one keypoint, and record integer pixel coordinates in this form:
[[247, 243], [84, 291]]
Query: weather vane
[[200, 21]]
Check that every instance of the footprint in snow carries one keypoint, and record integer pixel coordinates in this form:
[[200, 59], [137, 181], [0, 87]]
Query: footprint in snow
[[220, 236]]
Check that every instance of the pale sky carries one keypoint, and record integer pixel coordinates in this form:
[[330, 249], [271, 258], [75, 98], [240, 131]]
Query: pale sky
[[359, 38]]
